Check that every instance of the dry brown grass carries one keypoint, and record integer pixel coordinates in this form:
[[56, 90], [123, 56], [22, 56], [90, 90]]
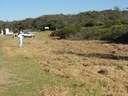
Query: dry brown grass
[[95, 63], [55, 91], [4, 76]]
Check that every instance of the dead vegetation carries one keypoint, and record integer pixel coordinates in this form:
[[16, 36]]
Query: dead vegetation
[[4, 76], [100, 65]]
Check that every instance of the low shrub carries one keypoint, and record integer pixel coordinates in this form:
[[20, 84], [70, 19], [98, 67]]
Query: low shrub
[[94, 33]]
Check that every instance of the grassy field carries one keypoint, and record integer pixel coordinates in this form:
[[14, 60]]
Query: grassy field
[[46, 66]]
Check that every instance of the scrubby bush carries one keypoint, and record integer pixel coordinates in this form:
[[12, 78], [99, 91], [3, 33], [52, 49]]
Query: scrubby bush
[[94, 33], [90, 23], [68, 31], [104, 33]]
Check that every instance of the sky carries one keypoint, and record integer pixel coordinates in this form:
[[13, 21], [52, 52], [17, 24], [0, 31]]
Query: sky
[[11, 10]]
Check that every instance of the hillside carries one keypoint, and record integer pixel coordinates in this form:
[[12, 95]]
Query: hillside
[[47, 66], [57, 21]]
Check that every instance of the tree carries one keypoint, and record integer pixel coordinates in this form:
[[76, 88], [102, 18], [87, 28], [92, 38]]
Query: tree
[[116, 8]]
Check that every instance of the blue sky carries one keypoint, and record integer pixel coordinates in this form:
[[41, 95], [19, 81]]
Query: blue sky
[[20, 9]]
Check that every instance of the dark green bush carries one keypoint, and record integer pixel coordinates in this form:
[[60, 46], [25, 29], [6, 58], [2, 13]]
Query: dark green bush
[[95, 33], [104, 33], [67, 31], [90, 23]]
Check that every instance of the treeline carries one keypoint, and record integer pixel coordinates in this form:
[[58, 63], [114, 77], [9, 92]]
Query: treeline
[[85, 25]]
